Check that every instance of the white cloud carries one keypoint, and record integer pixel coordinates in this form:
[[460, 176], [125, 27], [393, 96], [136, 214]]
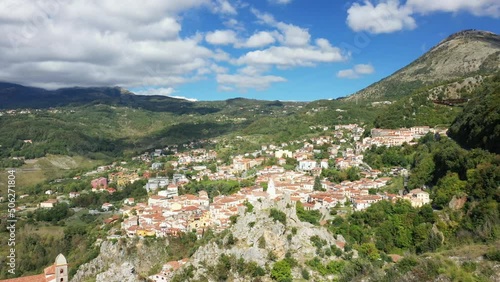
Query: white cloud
[[243, 82], [156, 91], [291, 35], [356, 72], [364, 69], [221, 37], [185, 98], [475, 7], [264, 18], [280, 2], [99, 43], [164, 91], [294, 35], [386, 17], [259, 39], [224, 7], [234, 24], [285, 56]]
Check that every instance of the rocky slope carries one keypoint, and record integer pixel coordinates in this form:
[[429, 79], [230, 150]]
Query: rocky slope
[[123, 261], [256, 237], [462, 55]]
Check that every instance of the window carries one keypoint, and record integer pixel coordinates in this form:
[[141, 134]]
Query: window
[[61, 271]]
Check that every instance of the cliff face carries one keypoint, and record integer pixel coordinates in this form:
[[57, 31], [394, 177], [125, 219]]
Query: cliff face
[[259, 238], [123, 261]]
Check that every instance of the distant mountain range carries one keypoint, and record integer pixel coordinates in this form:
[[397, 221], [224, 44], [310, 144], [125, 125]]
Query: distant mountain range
[[467, 55], [458, 68]]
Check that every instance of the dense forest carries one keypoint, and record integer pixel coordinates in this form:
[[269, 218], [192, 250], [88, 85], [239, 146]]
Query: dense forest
[[479, 124]]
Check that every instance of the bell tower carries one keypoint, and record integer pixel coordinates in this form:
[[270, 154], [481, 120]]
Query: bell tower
[[61, 269]]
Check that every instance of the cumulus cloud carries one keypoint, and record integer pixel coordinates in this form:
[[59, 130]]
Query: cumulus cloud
[[292, 46], [259, 39], [285, 56], [385, 17], [156, 91], [243, 82], [98, 43], [476, 7], [391, 15], [224, 7], [221, 37], [164, 91], [356, 72]]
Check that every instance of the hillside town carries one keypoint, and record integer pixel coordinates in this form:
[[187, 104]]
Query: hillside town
[[289, 170]]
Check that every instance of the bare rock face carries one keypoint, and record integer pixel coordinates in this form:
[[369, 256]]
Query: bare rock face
[[256, 235], [457, 203], [122, 261]]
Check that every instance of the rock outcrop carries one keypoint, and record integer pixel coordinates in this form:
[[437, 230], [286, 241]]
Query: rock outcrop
[[123, 261], [256, 235]]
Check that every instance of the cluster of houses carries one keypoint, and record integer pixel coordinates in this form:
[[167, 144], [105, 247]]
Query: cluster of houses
[[395, 137], [167, 213]]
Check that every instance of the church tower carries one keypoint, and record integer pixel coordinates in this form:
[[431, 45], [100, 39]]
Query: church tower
[[61, 269], [271, 190]]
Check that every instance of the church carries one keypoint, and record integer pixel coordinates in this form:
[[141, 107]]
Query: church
[[58, 272]]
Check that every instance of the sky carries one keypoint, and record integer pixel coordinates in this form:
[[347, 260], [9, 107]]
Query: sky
[[289, 50]]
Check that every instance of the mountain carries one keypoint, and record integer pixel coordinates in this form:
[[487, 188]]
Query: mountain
[[13, 96], [466, 54]]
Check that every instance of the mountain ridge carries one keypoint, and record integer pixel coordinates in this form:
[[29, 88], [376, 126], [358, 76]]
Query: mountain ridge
[[461, 55]]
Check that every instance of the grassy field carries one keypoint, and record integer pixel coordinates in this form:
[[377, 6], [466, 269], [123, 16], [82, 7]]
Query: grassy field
[[46, 168]]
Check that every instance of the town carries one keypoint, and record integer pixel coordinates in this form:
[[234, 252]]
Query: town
[[292, 170]]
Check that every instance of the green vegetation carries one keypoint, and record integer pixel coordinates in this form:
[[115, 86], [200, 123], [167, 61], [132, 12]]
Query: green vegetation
[[312, 216], [281, 271], [278, 215], [216, 188], [386, 157], [228, 264], [332, 267], [479, 124], [337, 176], [416, 110]]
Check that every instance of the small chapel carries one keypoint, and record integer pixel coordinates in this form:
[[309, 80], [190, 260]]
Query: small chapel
[[58, 272]]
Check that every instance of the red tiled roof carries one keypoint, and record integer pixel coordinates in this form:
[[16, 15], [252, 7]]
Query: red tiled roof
[[33, 278], [50, 270]]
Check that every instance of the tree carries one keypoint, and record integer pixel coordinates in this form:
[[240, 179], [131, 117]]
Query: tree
[[317, 184], [369, 251], [447, 187], [281, 271]]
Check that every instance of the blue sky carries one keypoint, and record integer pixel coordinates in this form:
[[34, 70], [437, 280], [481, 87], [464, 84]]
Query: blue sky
[[297, 50]]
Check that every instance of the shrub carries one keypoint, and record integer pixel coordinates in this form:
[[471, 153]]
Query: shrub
[[493, 255], [277, 215], [262, 242], [281, 271], [305, 274]]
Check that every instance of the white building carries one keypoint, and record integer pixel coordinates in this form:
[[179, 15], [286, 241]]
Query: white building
[[156, 183], [307, 165]]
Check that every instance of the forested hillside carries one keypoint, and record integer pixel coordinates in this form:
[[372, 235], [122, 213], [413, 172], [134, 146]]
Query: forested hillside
[[479, 124]]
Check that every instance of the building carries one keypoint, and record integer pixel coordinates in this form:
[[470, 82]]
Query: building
[[417, 197], [156, 183], [48, 204], [58, 272], [99, 183], [307, 165]]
